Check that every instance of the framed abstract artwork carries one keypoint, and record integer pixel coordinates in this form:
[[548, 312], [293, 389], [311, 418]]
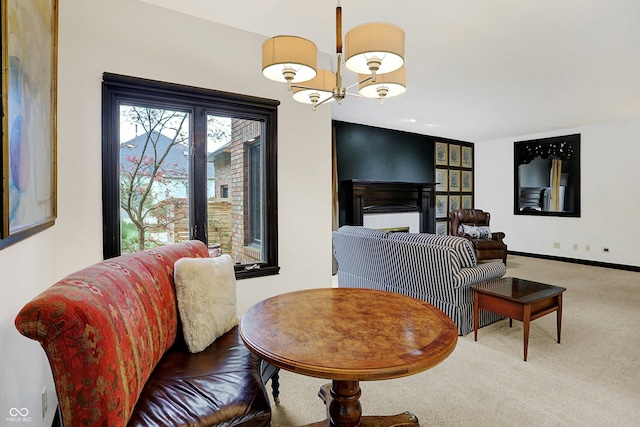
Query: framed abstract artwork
[[29, 96]]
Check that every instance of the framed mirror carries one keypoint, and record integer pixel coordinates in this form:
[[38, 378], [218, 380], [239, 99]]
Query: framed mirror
[[547, 176]]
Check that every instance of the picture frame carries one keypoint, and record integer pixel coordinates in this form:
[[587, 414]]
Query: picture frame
[[454, 155], [454, 180], [29, 32], [441, 154], [466, 181], [442, 228], [441, 206], [454, 203], [466, 159], [442, 179], [466, 201]]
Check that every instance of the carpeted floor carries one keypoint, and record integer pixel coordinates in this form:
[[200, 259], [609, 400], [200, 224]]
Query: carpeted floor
[[591, 379]]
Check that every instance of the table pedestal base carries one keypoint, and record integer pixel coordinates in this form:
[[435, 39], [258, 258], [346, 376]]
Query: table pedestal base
[[344, 410]]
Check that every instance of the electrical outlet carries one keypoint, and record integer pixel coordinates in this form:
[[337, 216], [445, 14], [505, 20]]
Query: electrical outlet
[[45, 404], [587, 248], [575, 246], [605, 250], [556, 245]]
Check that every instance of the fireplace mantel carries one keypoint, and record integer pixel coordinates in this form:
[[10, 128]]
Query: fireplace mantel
[[390, 197]]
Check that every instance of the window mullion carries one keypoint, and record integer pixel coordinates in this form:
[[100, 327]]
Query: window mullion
[[198, 185]]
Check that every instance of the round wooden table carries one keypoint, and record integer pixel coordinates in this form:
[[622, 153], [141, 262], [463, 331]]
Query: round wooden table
[[349, 335]]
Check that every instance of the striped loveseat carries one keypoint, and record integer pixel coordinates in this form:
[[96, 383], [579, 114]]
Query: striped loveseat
[[438, 269]]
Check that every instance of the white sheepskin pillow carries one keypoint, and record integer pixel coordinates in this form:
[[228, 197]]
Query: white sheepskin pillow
[[206, 293]]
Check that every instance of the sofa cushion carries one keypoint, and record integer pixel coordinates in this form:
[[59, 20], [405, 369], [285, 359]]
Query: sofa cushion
[[220, 386], [462, 246], [206, 294]]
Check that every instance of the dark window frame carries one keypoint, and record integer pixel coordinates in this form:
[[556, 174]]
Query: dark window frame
[[255, 227], [118, 89]]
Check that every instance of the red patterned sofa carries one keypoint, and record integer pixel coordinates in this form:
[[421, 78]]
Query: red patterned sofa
[[112, 335]]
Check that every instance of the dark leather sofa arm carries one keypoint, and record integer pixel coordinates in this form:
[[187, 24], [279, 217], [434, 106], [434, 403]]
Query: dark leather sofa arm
[[498, 235]]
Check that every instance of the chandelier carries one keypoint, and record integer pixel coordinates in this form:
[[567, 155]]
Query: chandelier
[[375, 51]]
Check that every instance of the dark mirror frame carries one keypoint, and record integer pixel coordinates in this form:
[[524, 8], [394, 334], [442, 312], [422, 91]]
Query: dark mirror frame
[[533, 199]]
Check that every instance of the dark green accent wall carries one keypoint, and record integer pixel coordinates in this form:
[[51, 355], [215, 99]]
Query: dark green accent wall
[[377, 154]]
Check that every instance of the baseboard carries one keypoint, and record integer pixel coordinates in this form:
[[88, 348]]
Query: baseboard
[[579, 261]]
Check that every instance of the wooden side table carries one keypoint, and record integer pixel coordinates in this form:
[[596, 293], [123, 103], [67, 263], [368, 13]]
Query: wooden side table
[[349, 335], [518, 299]]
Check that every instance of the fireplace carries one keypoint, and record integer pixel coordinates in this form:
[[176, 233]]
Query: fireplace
[[386, 198], [392, 221]]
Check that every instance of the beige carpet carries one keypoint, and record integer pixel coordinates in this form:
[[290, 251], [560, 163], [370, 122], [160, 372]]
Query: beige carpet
[[591, 379]]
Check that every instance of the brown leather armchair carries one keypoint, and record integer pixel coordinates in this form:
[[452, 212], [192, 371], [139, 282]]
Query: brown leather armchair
[[491, 247]]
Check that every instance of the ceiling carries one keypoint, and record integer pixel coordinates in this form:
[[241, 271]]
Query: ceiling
[[476, 70]]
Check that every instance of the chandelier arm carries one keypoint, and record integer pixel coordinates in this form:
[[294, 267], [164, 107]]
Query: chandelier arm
[[296, 86], [357, 83], [324, 101]]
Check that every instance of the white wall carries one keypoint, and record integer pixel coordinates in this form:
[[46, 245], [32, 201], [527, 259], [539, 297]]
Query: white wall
[[133, 38], [610, 174]]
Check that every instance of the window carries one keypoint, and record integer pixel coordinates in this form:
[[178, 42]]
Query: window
[[185, 163]]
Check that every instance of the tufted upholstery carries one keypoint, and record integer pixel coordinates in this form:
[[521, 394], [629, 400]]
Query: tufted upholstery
[[110, 332], [433, 268], [492, 248]]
